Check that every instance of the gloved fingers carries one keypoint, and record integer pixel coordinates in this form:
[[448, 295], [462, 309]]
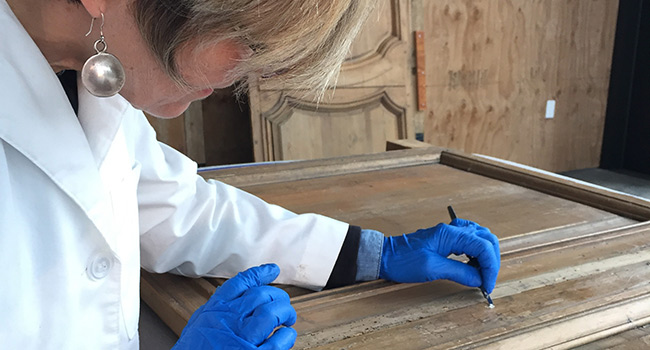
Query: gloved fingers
[[489, 276], [257, 327], [460, 272], [253, 277], [467, 223], [489, 263], [284, 338], [458, 222], [489, 236], [490, 273], [258, 296], [483, 250]]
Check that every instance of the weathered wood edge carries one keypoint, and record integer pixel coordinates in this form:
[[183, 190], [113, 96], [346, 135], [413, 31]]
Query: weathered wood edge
[[620, 204], [310, 169], [175, 313], [614, 202], [170, 310], [398, 319], [362, 290], [579, 329]]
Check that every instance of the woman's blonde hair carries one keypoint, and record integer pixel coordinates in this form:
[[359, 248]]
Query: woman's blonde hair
[[301, 43]]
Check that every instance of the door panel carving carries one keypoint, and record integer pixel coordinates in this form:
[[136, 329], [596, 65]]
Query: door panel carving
[[304, 130], [369, 105]]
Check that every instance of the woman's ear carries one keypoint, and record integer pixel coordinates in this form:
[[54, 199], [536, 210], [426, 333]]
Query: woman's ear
[[95, 8]]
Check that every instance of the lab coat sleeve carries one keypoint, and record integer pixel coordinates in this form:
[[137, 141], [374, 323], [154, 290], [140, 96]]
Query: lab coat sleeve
[[194, 227]]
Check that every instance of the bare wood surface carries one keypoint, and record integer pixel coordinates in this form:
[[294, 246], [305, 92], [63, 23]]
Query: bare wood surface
[[404, 199], [538, 294], [420, 70], [260, 174], [394, 145], [564, 264], [633, 339], [350, 121]]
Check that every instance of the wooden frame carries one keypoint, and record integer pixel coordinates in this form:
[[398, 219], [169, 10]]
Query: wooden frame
[[574, 256]]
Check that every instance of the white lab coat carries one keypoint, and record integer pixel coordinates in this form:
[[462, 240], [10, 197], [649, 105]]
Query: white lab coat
[[85, 201]]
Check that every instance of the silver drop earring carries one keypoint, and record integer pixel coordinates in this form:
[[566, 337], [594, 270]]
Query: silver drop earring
[[102, 74]]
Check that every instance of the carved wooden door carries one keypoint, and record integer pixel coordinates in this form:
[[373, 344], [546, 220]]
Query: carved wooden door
[[371, 102]]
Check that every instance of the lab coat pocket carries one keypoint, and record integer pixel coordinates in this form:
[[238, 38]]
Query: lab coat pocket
[[125, 210]]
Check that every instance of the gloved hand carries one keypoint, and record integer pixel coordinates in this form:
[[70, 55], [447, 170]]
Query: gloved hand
[[242, 314], [423, 255]]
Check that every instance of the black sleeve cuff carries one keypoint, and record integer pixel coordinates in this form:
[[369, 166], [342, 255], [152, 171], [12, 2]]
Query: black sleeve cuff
[[345, 268]]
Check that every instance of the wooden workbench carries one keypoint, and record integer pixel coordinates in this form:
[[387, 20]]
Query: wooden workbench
[[575, 257]]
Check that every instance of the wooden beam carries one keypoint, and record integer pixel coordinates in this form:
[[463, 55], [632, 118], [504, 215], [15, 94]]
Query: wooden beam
[[618, 203], [420, 68]]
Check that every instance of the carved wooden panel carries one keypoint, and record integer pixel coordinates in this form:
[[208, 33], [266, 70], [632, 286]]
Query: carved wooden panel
[[369, 105], [299, 129], [574, 256]]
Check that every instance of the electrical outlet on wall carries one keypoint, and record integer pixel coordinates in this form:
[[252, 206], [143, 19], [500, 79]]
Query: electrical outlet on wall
[[550, 109]]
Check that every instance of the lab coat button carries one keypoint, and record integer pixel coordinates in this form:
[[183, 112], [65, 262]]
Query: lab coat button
[[100, 265]]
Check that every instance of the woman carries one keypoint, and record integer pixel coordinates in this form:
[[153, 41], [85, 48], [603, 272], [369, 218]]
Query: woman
[[87, 195]]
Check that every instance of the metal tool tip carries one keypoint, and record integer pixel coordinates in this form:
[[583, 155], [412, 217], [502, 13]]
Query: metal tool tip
[[489, 300]]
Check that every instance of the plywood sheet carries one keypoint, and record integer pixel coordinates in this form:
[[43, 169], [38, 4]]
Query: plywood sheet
[[493, 64]]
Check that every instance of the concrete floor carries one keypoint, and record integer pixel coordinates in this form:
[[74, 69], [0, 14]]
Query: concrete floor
[[155, 335], [620, 180]]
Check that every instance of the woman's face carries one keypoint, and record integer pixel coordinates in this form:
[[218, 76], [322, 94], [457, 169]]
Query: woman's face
[[147, 87]]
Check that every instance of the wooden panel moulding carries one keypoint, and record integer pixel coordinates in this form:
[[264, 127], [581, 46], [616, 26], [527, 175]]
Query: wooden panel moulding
[[378, 55], [571, 273], [298, 129], [376, 69], [264, 174], [573, 190], [545, 297]]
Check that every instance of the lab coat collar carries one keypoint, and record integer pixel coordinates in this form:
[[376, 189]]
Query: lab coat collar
[[38, 121]]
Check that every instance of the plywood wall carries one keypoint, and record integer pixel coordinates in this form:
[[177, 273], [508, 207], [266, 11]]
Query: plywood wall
[[493, 64]]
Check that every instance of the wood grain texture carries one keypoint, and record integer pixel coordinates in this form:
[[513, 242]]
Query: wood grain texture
[[370, 103], [492, 65], [636, 338], [420, 70], [544, 298], [571, 274], [622, 204], [403, 200], [353, 122]]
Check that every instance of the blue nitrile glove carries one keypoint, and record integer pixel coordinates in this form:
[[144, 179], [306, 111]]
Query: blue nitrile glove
[[422, 256], [242, 314]]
